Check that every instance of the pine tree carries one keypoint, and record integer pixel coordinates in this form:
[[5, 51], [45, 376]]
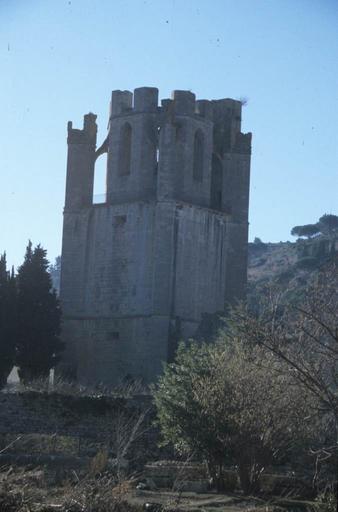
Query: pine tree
[[328, 223], [308, 230], [8, 320], [39, 315]]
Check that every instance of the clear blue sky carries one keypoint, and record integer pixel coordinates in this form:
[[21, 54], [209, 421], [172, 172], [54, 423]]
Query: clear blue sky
[[62, 58]]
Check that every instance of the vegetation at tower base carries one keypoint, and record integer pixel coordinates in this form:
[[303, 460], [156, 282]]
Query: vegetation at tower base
[[234, 405], [265, 392], [8, 320], [303, 336], [248, 404], [39, 314]]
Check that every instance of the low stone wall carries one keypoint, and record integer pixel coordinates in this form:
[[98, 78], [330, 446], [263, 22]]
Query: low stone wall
[[193, 477], [52, 413], [177, 476]]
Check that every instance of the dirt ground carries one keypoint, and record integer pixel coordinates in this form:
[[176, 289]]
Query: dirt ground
[[37, 490]]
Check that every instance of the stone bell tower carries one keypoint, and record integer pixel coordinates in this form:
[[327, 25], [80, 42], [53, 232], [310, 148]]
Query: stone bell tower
[[169, 241]]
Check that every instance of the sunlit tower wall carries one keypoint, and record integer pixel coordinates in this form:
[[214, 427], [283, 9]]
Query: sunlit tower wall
[[168, 242]]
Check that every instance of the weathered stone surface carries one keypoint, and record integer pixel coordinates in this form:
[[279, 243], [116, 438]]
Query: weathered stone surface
[[169, 243]]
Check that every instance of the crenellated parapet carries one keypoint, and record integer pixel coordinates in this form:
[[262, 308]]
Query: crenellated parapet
[[85, 136], [144, 99], [181, 149]]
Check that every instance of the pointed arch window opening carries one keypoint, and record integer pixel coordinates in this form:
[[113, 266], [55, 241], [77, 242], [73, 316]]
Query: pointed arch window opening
[[198, 159], [100, 180], [125, 150]]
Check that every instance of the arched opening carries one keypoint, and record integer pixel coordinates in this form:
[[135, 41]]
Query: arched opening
[[198, 161], [216, 183], [125, 150], [100, 180]]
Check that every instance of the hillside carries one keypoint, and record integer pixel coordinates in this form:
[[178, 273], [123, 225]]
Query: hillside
[[288, 265], [266, 261]]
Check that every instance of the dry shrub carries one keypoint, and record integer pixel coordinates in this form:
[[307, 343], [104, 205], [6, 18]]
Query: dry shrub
[[99, 463], [9, 502], [61, 386], [100, 495], [24, 490]]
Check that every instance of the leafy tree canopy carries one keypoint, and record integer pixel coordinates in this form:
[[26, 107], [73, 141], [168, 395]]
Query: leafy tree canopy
[[308, 230], [328, 223], [218, 402]]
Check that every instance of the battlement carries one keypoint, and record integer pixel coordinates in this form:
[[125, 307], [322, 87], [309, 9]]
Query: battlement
[[183, 149], [85, 136], [181, 103], [144, 99], [184, 103]]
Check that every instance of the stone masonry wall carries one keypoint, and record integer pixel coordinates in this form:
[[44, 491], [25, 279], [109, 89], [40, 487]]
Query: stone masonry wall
[[84, 416], [134, 284], [169, 243]]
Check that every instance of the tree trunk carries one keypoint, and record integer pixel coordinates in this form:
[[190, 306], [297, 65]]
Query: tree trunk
[[244, 477], [249, 478]]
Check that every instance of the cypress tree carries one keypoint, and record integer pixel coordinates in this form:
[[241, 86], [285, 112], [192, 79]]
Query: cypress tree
[[8, 320], [39, 316]]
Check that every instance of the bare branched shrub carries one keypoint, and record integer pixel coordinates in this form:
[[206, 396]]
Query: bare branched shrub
[[127, 428], [99, 495], [303, 338], [99, 463]]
